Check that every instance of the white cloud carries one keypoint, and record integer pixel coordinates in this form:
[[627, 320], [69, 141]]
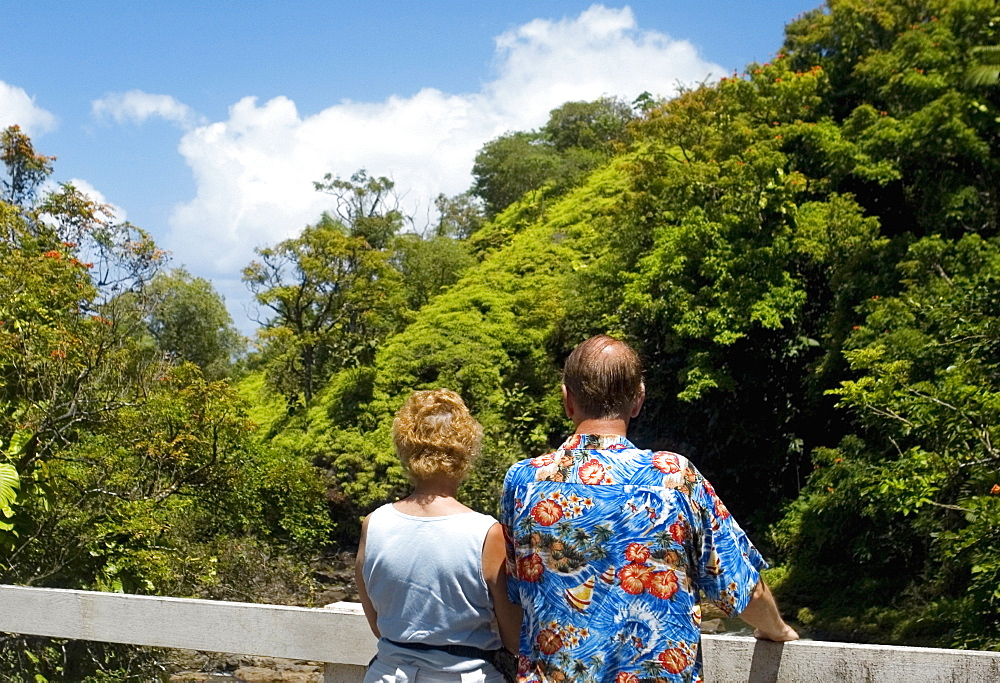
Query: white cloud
[[254, 171], [137, 106], [17, 107]]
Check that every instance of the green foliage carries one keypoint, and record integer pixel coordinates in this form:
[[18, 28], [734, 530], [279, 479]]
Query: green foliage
[[589, 125], [577, 138], [367, 206], [926, 397], [802, 253], [428, 265], [133, 472], [332, 296], [987, 71], [188, 319], [511, 165], [9, 483], [460, 216]]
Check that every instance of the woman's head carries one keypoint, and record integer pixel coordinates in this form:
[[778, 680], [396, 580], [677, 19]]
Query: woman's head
[[436, 435]]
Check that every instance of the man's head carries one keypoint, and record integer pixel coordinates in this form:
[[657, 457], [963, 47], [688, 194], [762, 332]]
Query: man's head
[[603, 377]]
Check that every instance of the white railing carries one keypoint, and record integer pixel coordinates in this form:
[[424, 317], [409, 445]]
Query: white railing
[[338, 635]]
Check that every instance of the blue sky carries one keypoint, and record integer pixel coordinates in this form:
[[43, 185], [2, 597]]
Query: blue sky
[[205, 122]]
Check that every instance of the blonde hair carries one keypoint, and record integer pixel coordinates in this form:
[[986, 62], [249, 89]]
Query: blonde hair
[[435, 434]]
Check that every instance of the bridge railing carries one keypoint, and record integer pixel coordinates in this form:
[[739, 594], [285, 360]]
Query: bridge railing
[[338, 635]]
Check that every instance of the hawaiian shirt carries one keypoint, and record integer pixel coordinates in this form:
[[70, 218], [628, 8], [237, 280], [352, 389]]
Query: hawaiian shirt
[[608, 547]]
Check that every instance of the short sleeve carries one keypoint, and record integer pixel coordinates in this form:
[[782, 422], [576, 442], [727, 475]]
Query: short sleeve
[[729, 565], [507, 511]]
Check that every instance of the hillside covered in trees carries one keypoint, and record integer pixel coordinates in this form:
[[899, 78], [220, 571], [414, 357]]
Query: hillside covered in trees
[[806, 254]]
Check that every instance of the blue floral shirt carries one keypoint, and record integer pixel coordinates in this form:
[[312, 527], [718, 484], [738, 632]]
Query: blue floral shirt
[[608, 547]]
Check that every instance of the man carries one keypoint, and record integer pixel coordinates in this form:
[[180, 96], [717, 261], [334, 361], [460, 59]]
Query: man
[[608, 545]]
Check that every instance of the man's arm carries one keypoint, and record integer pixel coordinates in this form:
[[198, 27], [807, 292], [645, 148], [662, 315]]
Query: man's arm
[[762, 613]]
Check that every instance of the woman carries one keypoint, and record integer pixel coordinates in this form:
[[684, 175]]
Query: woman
[[430, 571]]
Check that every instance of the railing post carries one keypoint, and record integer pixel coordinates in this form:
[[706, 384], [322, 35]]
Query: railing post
[[343, 673]]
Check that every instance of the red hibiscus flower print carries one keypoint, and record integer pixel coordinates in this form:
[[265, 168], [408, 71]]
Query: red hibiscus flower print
[[530, 568], [633, 578], [666, 462], [547, 512], [549, 642], [637, 552], [543, 460], [662, 585], [626, 677], [592, 472], [523, 664], [674, 660], [678, 531], [720, 509]]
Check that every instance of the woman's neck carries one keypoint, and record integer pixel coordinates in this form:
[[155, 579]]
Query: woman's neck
[[434, 497]]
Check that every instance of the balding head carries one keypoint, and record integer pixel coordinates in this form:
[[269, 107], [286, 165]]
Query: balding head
[[604, 377]]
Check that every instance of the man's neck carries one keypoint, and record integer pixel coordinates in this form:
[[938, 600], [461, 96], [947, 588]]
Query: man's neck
[[616, 426]]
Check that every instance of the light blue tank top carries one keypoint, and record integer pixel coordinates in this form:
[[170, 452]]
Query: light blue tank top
[[424, 576]]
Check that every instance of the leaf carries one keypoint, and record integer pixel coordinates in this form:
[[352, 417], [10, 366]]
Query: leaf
[[9, 483]]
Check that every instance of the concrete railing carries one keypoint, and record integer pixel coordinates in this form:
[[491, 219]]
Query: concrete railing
[[338, 635]]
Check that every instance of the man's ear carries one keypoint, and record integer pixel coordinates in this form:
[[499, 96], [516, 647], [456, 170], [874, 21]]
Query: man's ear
[[637, 406], [568, 404]]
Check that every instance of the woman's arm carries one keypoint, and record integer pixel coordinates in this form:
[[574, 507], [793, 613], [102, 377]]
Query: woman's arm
[[494, 571], [359, 580]]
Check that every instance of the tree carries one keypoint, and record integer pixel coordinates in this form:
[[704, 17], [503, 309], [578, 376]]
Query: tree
[[911, 493], [460, 216], [577, 137], [511, 165], [188, 319], [589, 125], [368, 207], [25, 169], [134, 472], [333, 298]]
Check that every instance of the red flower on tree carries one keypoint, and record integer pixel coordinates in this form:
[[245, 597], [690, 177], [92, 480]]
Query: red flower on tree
[[547, 512], [674, 660], [592, 472], [637, 552], [626, 677], [678, 531], [633, 578]]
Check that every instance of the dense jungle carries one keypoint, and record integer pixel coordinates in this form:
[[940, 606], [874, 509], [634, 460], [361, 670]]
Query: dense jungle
[[806, 254]]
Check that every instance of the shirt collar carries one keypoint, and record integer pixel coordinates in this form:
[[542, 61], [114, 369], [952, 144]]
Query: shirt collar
[[602, 442]]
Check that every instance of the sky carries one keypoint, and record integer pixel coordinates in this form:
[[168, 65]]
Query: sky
[[206, 122]]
